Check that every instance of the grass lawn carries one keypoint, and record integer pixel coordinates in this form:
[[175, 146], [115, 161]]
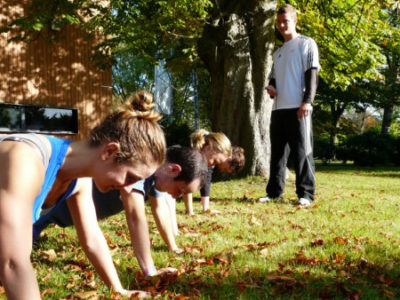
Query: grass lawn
[[345, 246]]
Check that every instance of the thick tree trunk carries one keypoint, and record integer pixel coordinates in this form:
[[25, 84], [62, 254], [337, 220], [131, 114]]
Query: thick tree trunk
[[236, 47], [387, 118]]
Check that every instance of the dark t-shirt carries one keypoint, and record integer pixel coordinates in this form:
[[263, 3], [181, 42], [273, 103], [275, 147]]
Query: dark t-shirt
[[205, 190], [107, 204]]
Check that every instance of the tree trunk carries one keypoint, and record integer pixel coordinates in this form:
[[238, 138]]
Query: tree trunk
[[387, 118], [236, 47]]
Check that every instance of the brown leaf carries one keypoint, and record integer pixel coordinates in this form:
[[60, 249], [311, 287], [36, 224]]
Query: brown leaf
[[355, 296], [387, 294], [225, 273], [274, 276], [180, 297], [317, 243], [70, 285], [363, 263], [381, 278], [47, 277], [254, 221], [241, 287], [50, 254], [339, 258], [195, 293], [47, 292], [92, 295], [222, 260], [200, 261], [341, 241]]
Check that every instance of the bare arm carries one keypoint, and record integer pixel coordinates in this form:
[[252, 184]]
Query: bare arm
[[21, 179], [163, 220], [138, 228], [91, 238], [188, 199], [205, 202]]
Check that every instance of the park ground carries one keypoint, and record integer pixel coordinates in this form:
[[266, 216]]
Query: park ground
[[345, 246]]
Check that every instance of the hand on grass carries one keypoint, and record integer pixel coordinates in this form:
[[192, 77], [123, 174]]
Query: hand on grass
[[135, 294], [166, 271], [212, 212], [178, 251]]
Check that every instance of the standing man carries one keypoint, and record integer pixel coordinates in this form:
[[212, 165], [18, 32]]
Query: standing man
[[293, 84]]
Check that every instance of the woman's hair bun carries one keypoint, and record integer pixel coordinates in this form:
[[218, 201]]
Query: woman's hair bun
[[142, 101], [141, 105]]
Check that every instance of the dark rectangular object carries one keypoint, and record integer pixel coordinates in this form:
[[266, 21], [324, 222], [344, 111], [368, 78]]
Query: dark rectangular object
[[38, 119]]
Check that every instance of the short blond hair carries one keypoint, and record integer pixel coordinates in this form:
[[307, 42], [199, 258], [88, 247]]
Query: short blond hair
[[217, 140], [287, 9]]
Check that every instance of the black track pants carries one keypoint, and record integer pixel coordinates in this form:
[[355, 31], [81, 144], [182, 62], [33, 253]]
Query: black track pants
[[288, 134]]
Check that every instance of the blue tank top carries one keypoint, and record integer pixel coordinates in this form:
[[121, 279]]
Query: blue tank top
[[58, 151]]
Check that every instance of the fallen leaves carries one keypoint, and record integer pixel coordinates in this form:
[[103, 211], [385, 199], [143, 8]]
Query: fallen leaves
[[251, 252], [317, 243], [341, 241], [92, 295], [49, 255]]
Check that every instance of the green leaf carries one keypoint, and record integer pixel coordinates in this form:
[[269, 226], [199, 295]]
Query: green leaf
[[38, 26]]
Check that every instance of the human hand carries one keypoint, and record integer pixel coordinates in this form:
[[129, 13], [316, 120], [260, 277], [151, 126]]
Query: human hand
[[167, 270], [177, 250], [304, 110], [212, 211], [134, 294], [271, 91]]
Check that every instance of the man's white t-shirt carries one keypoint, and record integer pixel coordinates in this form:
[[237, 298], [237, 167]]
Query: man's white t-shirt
[[291, 61]]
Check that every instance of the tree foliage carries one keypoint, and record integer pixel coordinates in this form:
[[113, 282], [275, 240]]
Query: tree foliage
[[131, 73], [357, 38], [345, 31], [359, 49], [359, 42], [153, 29]]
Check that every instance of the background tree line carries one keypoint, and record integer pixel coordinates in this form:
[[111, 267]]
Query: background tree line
[[228, 45]]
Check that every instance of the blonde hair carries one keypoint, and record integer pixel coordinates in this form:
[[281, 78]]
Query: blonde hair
[[135, 128], [217, 141]]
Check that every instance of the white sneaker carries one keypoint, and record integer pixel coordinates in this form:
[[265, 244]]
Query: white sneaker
[[304, 202], [264, 199], [268, 199]]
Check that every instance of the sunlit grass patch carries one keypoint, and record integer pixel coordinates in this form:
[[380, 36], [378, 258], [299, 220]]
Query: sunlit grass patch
[[345, 246]]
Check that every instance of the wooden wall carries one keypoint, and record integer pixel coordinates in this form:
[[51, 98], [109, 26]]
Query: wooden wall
[[58, 74]]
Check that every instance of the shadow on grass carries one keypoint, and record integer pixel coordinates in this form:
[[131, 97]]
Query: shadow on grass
[[211, 279], [380, 171], [250, 200], [216, 277]]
